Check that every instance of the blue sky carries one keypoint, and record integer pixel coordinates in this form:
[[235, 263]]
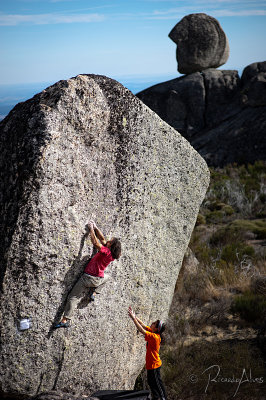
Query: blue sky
[[48, 40]]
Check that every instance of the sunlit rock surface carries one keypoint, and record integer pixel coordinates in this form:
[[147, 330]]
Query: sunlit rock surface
[[87, 148]]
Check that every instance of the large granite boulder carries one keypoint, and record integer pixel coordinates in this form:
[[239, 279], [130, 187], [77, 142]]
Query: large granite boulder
[[223, 116], [87, 147], [201, 43]]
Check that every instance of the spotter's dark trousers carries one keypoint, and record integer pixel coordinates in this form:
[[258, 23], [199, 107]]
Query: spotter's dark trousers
[[155, 383]]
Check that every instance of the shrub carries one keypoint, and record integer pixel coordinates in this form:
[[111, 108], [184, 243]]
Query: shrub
[[214, 216], [243, 188], [219, 206], [262, 197], [198, 287], [257, 226], [258, 285], [236, 230], [250, 306], [185, 376], [226, 235], [236, 251], [223, 274], [228, 210], [204, 253], [201, 220], [261, 214], [216, 205]]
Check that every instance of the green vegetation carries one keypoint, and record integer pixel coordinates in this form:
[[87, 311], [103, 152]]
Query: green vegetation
[[201, 220], [256, 226], [250, 306], [229, 285], [232, 253], [230, 224]]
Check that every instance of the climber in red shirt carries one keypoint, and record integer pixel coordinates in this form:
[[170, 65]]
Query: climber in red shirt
[[153, 362], [93, 276]]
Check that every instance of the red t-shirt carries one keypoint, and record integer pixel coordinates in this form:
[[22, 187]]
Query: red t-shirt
[[153, 346], [99, 262]]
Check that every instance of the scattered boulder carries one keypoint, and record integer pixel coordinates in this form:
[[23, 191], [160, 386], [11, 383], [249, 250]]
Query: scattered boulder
[[201, 43], [87, 148], [190, 262], [252, 70], [254, 85]]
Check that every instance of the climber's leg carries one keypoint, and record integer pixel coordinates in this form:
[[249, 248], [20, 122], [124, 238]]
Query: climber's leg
[[74, 296], [101, 283], [96, 283]]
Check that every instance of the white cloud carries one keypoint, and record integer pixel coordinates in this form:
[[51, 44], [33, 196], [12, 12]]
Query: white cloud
[[238, 13], [218, 8], [214, 7], [215, 13], [46, 19]]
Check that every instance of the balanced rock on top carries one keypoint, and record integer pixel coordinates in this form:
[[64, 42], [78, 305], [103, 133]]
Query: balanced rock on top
[[201, 43]]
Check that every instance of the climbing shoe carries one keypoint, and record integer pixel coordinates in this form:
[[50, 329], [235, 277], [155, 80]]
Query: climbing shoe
[[92, 298], [62, 325]]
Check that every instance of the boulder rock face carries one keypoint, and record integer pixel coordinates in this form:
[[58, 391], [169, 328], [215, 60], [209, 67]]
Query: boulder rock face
[[254, 85], [87, 148], [201, 43], [223, 116]]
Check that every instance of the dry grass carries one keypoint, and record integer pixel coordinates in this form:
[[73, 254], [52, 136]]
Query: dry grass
[[185, 374], [228, 243]]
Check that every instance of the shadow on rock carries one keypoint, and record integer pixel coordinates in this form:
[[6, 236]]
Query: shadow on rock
[[121, 394], [78, 264]]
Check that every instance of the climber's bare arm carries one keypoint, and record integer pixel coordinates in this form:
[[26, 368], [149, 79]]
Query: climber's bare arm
[[94, 239], [97, 232], [139, 327], [139, 324], [99, 235]]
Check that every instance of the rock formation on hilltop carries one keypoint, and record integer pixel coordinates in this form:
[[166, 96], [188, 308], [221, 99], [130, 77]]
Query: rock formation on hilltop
[[83, 148], [201, 43], [223, 116]]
